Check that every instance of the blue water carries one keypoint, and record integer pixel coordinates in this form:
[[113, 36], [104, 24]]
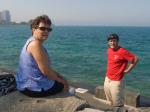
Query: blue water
[[79, 53]]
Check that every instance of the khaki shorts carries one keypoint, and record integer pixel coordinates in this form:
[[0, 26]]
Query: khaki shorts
[[114, 91]]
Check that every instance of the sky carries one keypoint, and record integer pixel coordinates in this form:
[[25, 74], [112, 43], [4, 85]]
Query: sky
[[82, 12]]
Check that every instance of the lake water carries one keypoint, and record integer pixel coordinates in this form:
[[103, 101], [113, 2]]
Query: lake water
[[79, 53]]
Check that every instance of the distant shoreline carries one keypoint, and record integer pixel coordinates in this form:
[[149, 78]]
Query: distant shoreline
[[77, 25], [16, 24]]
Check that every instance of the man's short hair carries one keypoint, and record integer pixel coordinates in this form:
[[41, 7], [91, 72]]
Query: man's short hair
[[113, 36], [43, 18]]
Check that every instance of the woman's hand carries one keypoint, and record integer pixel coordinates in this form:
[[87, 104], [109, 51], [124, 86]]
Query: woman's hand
[[64, 82], [66, 85]]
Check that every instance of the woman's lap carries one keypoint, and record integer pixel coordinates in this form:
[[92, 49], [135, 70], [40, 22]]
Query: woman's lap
[[58, 87]]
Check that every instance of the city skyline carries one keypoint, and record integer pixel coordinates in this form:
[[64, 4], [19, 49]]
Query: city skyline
[[82, 12], [5, 17]]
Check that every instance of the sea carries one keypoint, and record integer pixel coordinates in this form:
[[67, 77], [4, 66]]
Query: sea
[[79, 52]]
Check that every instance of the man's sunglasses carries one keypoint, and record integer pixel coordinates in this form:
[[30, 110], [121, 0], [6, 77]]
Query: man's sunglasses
[[45, 28]]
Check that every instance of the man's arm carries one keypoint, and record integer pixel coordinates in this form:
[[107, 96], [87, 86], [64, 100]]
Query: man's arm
[[131, 65]]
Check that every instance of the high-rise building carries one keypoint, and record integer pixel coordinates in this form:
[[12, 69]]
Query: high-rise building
[[0, 17], [5, 17]]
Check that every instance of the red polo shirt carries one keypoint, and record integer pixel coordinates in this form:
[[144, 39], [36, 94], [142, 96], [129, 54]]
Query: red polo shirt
[[117, 62]]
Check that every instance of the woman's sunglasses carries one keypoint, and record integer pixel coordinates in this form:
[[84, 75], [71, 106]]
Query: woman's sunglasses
[[45, 28]]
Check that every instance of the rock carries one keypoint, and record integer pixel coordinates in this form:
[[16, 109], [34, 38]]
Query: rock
[[63, 102], [92, 100], [131, 98], [133, 101]]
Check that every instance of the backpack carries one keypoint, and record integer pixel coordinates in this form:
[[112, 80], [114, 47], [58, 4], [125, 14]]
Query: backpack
[[7, 83]]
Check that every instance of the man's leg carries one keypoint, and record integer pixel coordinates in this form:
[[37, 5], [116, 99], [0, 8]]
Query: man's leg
[[107, 91], [117, 91]]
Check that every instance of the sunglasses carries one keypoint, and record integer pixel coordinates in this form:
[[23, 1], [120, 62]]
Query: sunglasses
[[45, 28]]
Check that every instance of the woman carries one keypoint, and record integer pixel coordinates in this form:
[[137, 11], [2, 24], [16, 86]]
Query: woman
[[35, 77]]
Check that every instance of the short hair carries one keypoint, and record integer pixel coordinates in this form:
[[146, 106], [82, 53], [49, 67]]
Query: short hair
[[113, 36], [43, 18]]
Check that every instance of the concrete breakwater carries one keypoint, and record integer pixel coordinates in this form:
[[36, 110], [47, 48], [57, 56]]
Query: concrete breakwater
[[91, 100]]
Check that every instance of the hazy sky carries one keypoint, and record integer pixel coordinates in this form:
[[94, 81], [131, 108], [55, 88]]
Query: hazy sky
[[82, 12]]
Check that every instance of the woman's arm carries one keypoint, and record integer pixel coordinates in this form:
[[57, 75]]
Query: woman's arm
[[36, 50]]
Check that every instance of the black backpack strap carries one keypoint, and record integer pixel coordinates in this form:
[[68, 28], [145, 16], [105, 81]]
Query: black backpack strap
[[7, 83]]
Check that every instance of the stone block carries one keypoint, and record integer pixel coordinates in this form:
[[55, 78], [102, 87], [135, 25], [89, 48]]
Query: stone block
[[131, 98], [99, 92], [92, 100], [61, 102]]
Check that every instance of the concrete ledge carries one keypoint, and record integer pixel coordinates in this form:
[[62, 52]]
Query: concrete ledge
[[102, 104], [131, 98], [99, 92], [62, 102], [93, 101]]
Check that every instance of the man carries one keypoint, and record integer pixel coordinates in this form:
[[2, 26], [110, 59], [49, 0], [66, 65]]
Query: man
[[35, 76], [120, 62]]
